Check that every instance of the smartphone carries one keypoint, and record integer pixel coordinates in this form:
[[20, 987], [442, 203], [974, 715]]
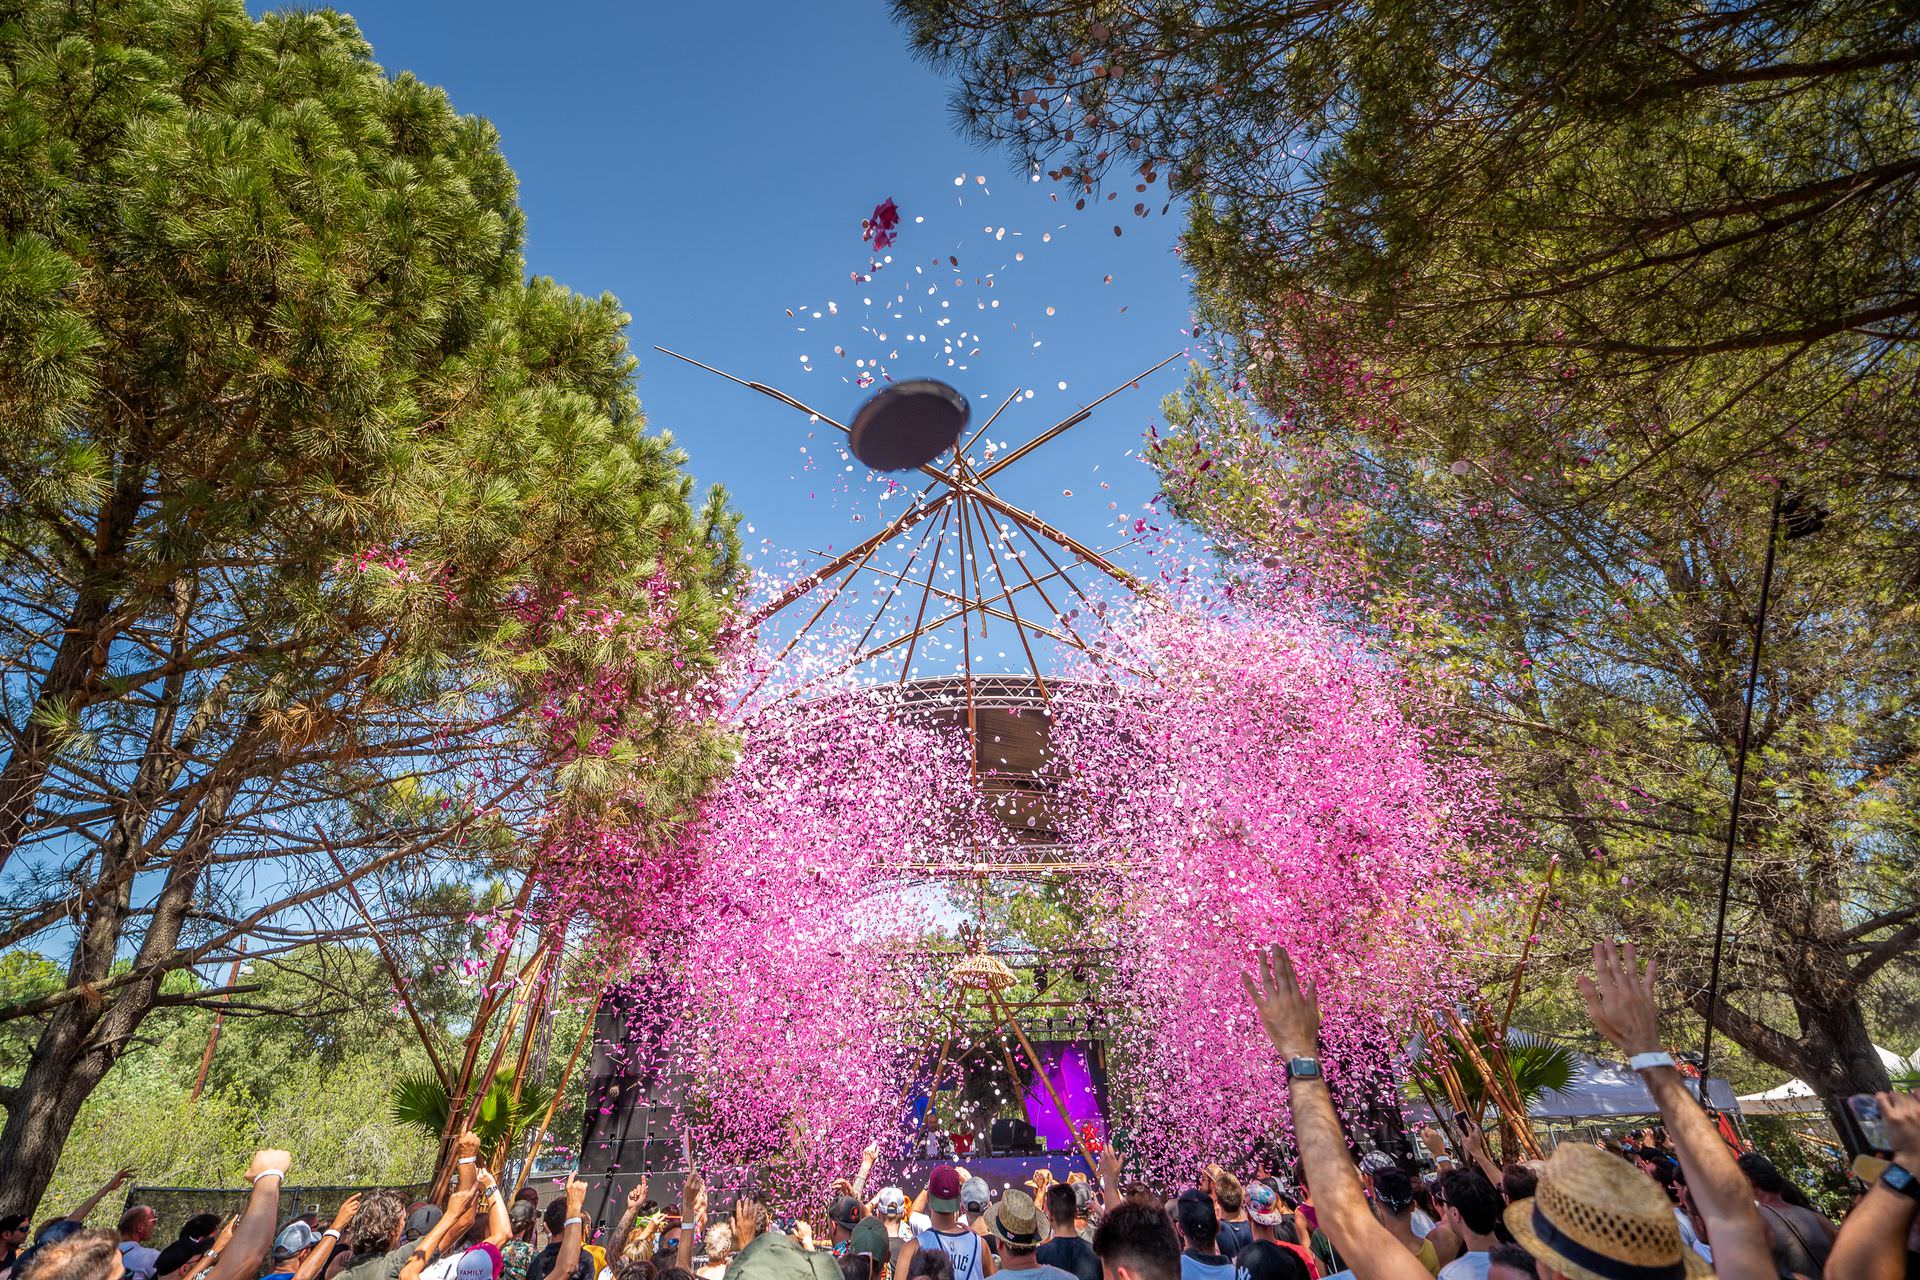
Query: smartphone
[[1873, 1126]]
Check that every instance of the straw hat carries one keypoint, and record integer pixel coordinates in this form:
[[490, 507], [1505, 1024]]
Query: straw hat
[[1596, 1217], [1018, 1221]]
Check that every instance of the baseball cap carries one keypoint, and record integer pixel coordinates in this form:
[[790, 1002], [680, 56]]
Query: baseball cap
[[482, 1262], [975, 1195], [943, 1189], [422, 1219], [1263, 1205], [890, 1203], [870, 1238], [844, 1210], [297, 1235], [1377, 1161]]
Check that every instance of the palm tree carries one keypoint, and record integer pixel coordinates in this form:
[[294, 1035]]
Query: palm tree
[[420, 1100], [1537, 1067]]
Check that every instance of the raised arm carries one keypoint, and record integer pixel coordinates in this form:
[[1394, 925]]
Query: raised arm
[[466, 1160], [567, 1258], [499, 1225], [1620, 1001], [867, 1159], [329, 1240], [1109, 1177], [452, 1225], [252, 1235], [92, 1202], [617, 1242], [693, 1215], [1291, 1014], [1476, 1144], [1872, 1244]]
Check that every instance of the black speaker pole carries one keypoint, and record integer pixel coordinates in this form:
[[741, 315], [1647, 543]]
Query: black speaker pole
[[1739, 788]]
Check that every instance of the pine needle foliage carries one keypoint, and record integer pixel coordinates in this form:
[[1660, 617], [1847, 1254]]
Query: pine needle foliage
[[298, 466]]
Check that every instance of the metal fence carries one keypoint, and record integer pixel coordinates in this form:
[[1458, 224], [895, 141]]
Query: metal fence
[[174, 1205]]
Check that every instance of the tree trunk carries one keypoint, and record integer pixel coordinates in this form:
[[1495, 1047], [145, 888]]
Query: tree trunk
[[69, 1060], [1844, 1061]]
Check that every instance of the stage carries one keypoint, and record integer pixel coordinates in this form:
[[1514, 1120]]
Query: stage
[[1000, 1172]]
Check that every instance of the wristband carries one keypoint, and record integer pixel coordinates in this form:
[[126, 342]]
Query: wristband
[[331, 1231], [466, 1160], [573, 1222], [1648, 1061], [278, 1173]]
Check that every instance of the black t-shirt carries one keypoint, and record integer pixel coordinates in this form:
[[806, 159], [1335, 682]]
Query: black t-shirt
[[1069, 1253], [543, 1261]]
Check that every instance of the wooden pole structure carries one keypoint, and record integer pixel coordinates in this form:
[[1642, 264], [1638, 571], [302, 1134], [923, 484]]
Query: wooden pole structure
[[559, 1091], [946, 1050], [461, 1110], [1526, 949], [1040, 1069], [219, 1016]]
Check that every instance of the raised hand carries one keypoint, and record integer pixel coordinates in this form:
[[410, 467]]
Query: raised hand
[[267, 1160], [467, 1145], [344, 1215], [1901, 1114], [1289, 1009], [1620, 999], [576, 1196], [636, 1197]]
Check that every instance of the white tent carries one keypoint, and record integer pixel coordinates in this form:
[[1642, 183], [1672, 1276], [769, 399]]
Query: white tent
[[1797, 1098], [1601, 1088]]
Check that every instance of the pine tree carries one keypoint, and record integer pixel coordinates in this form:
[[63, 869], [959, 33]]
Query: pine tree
[[313, 512]]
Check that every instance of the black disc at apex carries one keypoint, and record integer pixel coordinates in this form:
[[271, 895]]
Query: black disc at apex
[[908, 424]]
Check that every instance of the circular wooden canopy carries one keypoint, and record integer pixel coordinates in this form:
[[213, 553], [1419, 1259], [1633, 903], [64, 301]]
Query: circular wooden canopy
[[1012, 750]]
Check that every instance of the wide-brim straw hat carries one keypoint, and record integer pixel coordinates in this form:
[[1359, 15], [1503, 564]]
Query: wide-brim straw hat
[[1018, 1221], [1596, 1217]]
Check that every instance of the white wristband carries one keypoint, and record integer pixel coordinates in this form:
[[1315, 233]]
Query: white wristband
[[1648, 1061], [573, 1222], [331, 1232], [278, 1173], [466, 1160]]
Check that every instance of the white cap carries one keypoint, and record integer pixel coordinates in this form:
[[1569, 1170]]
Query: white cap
[[891, 1202]]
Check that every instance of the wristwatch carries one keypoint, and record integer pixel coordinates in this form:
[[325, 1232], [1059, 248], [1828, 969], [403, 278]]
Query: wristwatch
[[1901, 1180], [1304, 1069]]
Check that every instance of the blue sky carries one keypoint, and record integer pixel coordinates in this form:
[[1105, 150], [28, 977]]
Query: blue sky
[[710, 166]]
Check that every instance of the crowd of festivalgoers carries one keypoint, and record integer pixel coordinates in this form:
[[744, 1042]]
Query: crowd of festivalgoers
[[1665, 1204]]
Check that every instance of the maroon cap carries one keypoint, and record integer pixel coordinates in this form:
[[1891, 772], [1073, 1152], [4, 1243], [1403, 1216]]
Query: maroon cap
[[943, 1189]]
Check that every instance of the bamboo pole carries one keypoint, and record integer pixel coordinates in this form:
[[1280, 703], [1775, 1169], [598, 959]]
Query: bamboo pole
[[219, 1016], [946, 1050], [1040, 1069], [1526, 949], [566, 1075]]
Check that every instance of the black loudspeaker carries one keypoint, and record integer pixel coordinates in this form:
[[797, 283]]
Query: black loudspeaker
[[1012, 1137], [630, 1132]]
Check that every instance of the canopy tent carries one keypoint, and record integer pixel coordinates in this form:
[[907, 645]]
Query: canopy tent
[[1601, 1088], [1797, 1098]]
